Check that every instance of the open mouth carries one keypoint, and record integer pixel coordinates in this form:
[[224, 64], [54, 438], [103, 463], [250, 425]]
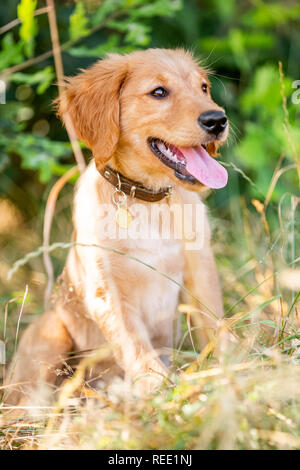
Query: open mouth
[[190, 164]]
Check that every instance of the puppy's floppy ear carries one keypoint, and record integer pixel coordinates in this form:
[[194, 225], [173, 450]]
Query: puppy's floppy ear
[[212, 148], [92, 101]]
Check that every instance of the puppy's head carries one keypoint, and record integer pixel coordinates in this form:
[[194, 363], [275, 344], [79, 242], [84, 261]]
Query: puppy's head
[[151, 116]]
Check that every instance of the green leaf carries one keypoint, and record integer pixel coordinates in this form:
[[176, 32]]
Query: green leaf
[[79, 22], [237, 45], [135, 33], [37, 153], [272, 14], [112, 45], [106, 8], [157, 8], [138, 35], [264, 92], [11, 52], [43, 79], [29, 28]]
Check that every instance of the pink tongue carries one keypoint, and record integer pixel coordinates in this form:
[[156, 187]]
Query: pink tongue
[[204, 168]]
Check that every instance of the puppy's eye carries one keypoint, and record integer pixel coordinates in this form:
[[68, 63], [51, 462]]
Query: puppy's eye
[[159, 92], [204, 88]]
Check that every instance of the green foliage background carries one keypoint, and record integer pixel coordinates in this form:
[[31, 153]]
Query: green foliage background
[[241, 41]]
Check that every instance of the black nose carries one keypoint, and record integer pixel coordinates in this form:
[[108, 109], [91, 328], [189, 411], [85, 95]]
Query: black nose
[[213, 122]]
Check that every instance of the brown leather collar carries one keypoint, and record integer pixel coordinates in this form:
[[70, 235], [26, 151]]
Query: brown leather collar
[[132, 188]]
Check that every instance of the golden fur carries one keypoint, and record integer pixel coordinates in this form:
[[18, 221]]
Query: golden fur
[[108, 298]]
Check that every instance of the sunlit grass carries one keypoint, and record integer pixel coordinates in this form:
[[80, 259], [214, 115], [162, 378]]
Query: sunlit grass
[[242, 394]]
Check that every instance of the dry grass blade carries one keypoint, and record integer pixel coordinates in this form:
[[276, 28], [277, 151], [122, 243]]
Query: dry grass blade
[[48, 218]]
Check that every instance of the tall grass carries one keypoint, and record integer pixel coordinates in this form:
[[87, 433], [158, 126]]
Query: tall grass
[[233, 395]]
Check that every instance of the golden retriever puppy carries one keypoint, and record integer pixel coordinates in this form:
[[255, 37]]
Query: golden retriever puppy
[[153, 129]]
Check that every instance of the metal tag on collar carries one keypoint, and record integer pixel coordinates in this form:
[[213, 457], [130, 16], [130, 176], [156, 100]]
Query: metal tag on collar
[[123, 215]]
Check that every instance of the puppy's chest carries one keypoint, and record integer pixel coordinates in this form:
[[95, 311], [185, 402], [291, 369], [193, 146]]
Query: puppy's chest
[[155, 279]]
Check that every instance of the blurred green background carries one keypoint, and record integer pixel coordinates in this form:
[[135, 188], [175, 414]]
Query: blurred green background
[[242, 43]]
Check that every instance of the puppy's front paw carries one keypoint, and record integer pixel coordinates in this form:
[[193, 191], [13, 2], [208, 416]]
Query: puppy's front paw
[[150, 379], [146, 385]]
